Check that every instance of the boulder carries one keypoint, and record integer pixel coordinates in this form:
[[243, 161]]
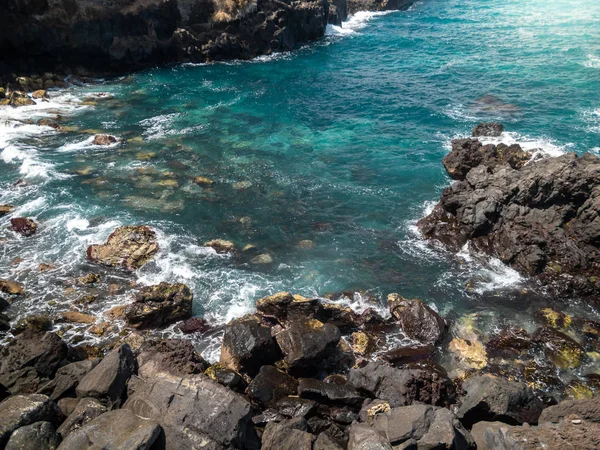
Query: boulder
[[306, 343], [575, 409], [221, 246], [271, 384], [22, 410], [364, 437], [227, 377], [67, 378], [489, 398], [39, 94], [247, 345], [11, 287], [508, 343], [551, 318], [329, 393], [23, 226], [31, 360], [404, 355], [104, 139], [341, 316], [17, 99], [324, 441], [114, 430], [539, 218], [35, 323], [159, 305], [490, 129], [279, 436], [175, 356], [75, 317], [426, 426], [401, 387], [293, 406], [67, 405], [203, 181], [129, 247], [107, 381], [37, 436], [6, 209], [284, 307], [87, 409], [194, 409], [194, 325], [417, 320]]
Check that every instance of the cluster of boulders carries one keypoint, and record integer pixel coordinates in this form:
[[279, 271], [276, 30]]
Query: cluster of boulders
[[539, 216], [286, 379]]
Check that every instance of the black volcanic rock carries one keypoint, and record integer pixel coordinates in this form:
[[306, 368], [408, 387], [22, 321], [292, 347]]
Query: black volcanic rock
[[160, 305], [541, 218]]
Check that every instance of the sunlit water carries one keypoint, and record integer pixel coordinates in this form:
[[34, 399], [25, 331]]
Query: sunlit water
[[339, 143]]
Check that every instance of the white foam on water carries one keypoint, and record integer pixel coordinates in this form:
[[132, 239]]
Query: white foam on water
[[87, 144], [543, 146], [158, 127], [592, 62], [592, 117], [354, 23]]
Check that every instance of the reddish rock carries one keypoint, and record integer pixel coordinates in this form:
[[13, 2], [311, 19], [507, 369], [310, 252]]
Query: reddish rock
[[23, 226]]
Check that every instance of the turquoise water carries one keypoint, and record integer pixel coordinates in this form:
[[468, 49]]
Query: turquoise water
[[339, 143]]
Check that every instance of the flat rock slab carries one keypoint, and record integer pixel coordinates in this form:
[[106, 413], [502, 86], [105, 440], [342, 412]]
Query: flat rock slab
[[114, 430]]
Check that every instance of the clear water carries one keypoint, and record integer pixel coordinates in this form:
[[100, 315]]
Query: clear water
[[340, 142]]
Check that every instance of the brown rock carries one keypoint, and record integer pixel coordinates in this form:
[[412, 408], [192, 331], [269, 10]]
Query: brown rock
[[23, 226], [104, 139], [129, 247]]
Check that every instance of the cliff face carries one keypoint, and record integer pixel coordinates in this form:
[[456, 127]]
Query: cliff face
[[109, 35]]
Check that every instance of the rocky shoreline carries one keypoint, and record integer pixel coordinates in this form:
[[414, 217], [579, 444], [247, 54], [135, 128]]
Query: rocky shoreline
[[311, 373], [87, 36]]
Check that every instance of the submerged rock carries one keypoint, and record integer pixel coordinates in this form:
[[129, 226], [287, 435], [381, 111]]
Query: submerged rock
[[221, 246], [129, 247], [561, 349], [159, 305], [35, 323], [23, 226]]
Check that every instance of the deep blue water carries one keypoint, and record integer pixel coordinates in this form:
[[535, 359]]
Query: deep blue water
[[339, 143]]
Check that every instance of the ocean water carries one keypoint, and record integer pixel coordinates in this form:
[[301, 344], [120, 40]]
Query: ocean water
[[339, 143]]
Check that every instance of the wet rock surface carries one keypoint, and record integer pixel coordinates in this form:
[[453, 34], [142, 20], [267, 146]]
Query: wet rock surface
[[540, 217], [128, 247], [160, 305]]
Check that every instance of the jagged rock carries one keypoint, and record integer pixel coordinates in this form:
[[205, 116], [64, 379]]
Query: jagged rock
[[221, 246], [226, 377], [17, 98], [279, 436], [35, 323], [306, 343], [490, 398], [104, 139], [427, 426], [417, 320], [114, 430], [31, 360], [22, 410], [129, 247], [371, 408], [324, 441], [364, 437], [194, 325], [341, 316], [23, 226], [11, 287], [329, 393], [490, 129], [561, 349], [175, 356], [580, 409], [107, 381], [247, 345], [193, 409], [540, 219], [292, 407], [37, 436], [271, 384], [67, 378], [87, 409], [159, 305], [268, 415], [364, 343], [286, 307], [39, 94], [405, 355], [401, 387]]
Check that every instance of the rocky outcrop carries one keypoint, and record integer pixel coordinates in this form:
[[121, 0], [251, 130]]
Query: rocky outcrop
[[159, 305], [129, 247], [540, 218]]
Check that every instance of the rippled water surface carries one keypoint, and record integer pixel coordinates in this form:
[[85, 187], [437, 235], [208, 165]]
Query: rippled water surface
[[339, 143]]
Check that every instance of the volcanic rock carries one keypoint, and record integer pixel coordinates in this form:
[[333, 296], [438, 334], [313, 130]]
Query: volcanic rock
[[580, 409], [329, 393], [175, 356], [87, 409], [490, 129], [278, 436], [35, 323], [271, 384], [39, 435], [129, 247], [496, 399], [417, 320], [160, 305], [561, 349], [23, 226], [67, 378], [107, 381], [104, 139]]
